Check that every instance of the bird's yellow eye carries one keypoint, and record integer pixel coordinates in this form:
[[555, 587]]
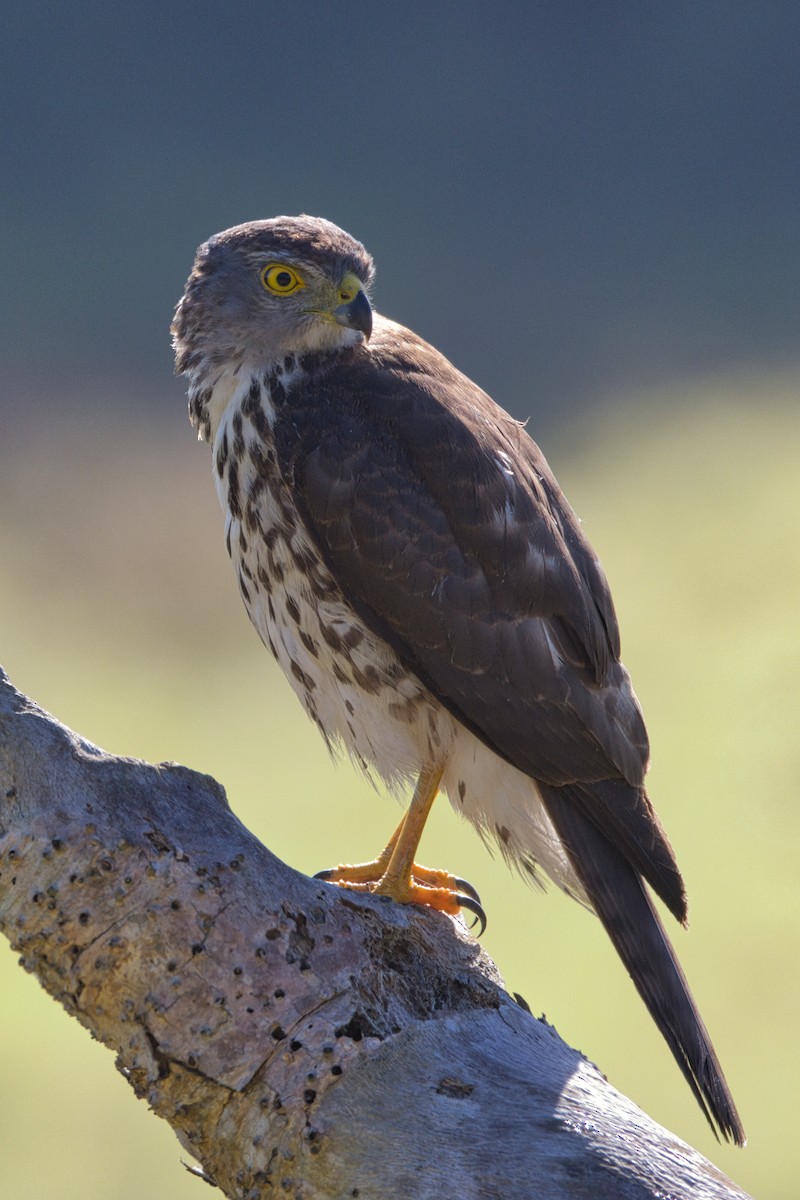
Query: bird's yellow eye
[[281, 280]]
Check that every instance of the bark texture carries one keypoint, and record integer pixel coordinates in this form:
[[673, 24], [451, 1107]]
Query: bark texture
[[300, 1040]]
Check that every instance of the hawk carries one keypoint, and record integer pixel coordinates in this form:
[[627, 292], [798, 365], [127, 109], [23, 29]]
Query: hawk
[[407, 556]]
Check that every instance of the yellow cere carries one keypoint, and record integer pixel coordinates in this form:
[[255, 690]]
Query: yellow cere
[[349, 288]]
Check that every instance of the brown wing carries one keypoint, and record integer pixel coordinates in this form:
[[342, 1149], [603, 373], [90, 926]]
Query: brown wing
[[444, 526], [447, 532]]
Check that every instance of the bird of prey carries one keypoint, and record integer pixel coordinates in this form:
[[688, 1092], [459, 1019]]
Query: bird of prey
[[407, 556]]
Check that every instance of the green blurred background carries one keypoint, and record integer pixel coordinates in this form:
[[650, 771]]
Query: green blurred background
[[593, 210]]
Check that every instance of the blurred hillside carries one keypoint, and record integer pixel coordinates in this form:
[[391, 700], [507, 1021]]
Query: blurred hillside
[[119, 613]]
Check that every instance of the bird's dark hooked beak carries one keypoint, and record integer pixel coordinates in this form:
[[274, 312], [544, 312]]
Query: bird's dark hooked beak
[[356, 314]]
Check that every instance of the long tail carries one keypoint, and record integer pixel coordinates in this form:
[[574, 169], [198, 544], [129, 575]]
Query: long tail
[[622, 903]]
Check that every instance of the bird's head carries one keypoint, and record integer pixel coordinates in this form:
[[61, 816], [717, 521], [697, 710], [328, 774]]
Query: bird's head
[[267, 289]]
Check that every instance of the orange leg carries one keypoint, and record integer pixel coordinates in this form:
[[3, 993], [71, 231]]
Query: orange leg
[[395, 873]]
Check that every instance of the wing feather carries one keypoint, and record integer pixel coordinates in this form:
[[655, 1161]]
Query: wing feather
[[449, 535], [447, 532]]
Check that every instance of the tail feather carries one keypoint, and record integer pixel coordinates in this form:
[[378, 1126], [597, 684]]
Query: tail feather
[[622, 903]]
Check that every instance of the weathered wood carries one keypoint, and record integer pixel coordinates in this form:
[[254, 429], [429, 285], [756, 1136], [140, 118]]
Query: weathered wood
[[300, 1040]]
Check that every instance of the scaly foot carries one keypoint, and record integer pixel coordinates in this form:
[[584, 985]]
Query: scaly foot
[[438, 889], [395, 873]]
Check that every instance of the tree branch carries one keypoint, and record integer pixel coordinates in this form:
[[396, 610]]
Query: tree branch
[[299, 1039]]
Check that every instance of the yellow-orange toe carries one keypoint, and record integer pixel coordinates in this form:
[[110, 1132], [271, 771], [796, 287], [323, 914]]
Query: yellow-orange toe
[[435, 888]]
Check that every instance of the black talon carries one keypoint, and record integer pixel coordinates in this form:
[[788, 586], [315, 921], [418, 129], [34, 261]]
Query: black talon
[[466, 888], [474, 907], [328, 873]]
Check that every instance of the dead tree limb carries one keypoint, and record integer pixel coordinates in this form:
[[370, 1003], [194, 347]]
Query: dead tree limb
[[300, 1040]]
